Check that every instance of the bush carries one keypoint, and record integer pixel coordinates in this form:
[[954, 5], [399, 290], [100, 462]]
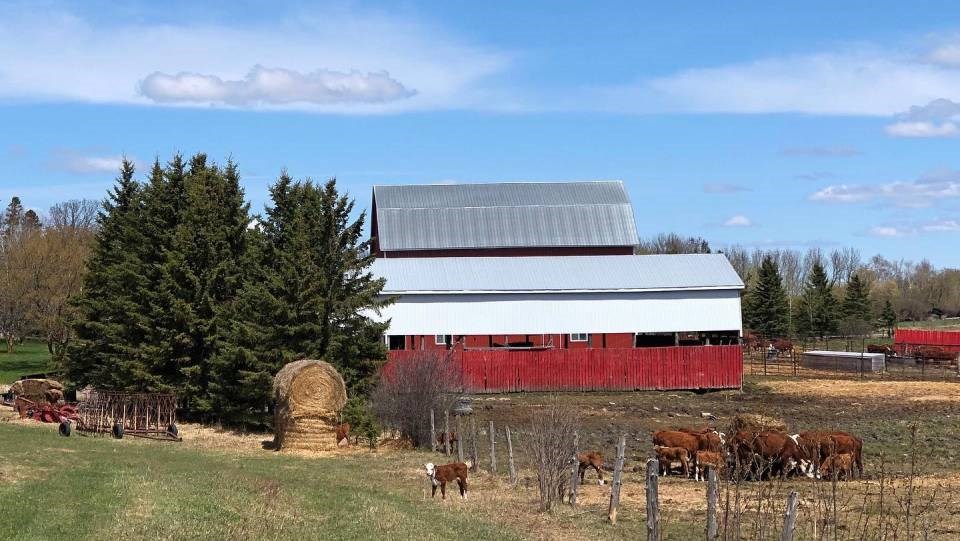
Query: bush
[[410, 388], [363, 423], [552, 432]]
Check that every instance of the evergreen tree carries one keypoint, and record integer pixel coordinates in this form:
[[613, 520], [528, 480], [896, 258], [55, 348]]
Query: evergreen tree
[[111, 326], [888, 316], [856, 301], [816, 312], [766, 306]]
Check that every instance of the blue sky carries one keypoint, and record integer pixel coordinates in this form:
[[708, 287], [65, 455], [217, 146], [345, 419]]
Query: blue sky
[[808, 124]]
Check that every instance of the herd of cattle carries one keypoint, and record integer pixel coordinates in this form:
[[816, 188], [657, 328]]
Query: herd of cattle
[[760, 454]]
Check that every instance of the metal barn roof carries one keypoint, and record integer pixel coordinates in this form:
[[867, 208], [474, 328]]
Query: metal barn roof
[[504, 215], [557, 274]]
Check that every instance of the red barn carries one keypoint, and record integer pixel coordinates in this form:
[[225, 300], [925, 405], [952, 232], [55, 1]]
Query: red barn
[[533, 287]]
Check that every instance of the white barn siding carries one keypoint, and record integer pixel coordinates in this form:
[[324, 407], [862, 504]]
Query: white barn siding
[[552, 313]]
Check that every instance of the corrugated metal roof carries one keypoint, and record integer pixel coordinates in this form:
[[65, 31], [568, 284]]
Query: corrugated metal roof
[[501, 215], [577, 273]]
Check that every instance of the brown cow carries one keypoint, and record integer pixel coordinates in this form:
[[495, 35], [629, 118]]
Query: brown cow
[[819, 444], [768, 451], [690, 440], [441, 475], [591, 459], [666, 456], [702, 459], [837, 466], [343, 434], [879, 348]]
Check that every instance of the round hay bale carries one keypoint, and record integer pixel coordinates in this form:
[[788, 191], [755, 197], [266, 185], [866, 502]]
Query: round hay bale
[[38, 390], [309, 395], [753, 422]]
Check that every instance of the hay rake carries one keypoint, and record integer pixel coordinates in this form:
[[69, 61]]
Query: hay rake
[[142, 415]]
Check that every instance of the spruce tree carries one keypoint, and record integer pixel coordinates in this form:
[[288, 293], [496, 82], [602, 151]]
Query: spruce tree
[[766, 304], [856, 300], [888, 316], [111, 325], [816, 313]]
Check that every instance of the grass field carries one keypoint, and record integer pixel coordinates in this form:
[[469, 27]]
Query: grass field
[[218, 485], [30, 357], [935, 324]]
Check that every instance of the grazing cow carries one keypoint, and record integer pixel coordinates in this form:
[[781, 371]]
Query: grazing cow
[[702, 459], [666, 456], [782, 345], [837, 466], [819, 444], [343, 434], [768, 451], [879, 348], [691, 440], [591, 459], [454, 441], [441, 475]]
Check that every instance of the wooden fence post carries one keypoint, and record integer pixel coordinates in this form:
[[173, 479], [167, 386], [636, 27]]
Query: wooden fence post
[[459, 439], [713, 493], [433, 432], [446, 432], [790, 517], [493, 449], [474, 456], [575, 471], [513, 469], [653, 500], [617, 476]]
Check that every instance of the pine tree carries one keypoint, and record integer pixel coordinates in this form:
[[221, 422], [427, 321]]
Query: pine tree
[[888, 316], [766, 307], [816, 312], [856, 300], [110, 330]]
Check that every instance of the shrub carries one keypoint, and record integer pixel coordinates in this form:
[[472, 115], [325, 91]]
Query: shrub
[[410, 388], [551, 442], [363, 422]]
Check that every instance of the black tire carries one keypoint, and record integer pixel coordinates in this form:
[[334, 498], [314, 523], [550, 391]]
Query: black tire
[[65, 429], [173, 430], [117, 431]]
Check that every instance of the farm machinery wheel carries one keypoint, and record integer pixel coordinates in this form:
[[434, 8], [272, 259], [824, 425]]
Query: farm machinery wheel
[[117, 431], [173, 430], [65, 428]]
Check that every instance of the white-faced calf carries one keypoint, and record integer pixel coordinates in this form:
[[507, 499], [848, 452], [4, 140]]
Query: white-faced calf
[[441, 475]]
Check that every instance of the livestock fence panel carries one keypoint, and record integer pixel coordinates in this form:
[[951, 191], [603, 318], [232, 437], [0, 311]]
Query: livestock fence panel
[[614, 369]]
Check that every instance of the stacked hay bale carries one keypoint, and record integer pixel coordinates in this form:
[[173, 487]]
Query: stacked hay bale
[[309, 395], [753, 422], [38, 390]]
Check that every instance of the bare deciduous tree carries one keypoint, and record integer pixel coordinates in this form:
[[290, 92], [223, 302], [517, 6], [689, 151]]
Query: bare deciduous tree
[[551, 443]]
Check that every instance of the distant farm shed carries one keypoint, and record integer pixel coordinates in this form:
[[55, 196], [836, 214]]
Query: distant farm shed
[[309, 395]]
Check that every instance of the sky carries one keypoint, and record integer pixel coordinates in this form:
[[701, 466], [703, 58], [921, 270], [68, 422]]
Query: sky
[[767, 125]]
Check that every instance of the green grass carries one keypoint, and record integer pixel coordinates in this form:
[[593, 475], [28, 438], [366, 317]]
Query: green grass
[[97, 488], [945, 324], [29, 358]]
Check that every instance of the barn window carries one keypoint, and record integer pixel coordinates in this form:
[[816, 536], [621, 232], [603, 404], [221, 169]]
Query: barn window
[[580, 337], [397, 342], [441, 339]]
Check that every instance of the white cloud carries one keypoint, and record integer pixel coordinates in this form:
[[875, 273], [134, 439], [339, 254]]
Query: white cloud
[[79, 163], [722, 188], [815, 175], [324, 60], [923, 192], [738, 220], [936, 119], [945, 55], [922, 129], [887, 231], [826, 151], [274, 86], [942, 225], [849, 79]]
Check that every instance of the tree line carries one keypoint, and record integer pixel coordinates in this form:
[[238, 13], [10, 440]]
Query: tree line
[[819, 293], [42, 261], [185, 291]]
